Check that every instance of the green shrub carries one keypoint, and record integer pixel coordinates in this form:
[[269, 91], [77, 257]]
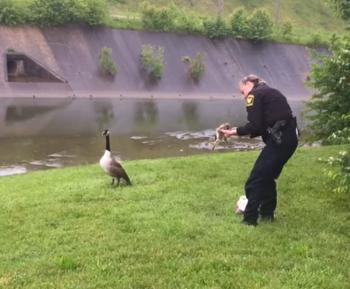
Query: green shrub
[[341, 136], [196, 66], [287, 30], [55, 12], [170, 18], [216, 29], [330, 106], [260, 25], [12, 13], [59, 12], [107, 64], [339, 171], [239, 23], [121, 22], [95, 12], [189, 24], [152, 60], [185, 21], [155, 18], [315, 40]]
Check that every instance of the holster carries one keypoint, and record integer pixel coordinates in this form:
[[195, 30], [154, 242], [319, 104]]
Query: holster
[[276, 131]]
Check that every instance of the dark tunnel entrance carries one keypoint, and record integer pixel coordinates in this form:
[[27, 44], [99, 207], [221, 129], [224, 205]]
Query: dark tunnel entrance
[[21, 68]]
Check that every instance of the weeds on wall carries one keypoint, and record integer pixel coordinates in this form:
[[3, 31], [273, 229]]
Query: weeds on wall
[[196, 66], [152, 60], [107, 64]]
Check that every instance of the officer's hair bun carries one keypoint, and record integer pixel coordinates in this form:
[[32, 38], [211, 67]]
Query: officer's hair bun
[[256, 80]]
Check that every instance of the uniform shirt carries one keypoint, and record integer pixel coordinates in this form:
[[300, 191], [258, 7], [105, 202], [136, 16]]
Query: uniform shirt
[[265, 106]]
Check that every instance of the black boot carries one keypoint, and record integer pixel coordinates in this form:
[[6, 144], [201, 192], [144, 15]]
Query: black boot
[[267, 218], [249, 222]]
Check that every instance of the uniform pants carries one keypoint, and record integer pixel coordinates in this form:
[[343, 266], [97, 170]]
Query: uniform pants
[[260, 187]]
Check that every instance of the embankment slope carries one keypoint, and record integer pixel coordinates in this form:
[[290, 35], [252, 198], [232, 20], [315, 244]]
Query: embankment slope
[[72, 53]]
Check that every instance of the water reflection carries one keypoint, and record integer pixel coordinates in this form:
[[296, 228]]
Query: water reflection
[[190, 114], [146, 116], [23, 113], [46, 133], [104, 114]]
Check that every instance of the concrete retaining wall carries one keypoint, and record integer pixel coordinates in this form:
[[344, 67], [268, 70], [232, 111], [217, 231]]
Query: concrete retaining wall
[[72, 53]]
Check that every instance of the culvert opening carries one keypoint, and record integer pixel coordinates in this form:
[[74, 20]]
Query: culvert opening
[[21, 68]]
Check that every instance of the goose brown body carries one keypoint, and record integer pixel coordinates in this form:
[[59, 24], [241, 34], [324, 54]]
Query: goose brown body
[[111, 166]]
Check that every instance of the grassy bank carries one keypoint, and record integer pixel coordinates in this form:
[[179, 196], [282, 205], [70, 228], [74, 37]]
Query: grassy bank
[[175, 228], [313, 22], [313, 14], [302, 13]]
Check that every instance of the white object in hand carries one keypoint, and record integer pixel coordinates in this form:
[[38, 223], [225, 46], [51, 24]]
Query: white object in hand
[[241, 204]]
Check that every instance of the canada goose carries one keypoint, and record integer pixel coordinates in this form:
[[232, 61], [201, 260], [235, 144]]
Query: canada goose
[[219, 136], [110, 165]]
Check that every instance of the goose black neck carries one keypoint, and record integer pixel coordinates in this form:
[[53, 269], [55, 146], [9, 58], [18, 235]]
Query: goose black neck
[[108, 145]]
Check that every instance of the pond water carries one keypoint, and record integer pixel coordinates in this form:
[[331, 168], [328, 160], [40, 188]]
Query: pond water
[[49, 133]]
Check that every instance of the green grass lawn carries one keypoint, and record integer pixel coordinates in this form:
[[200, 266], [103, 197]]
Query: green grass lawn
[[175, 228]]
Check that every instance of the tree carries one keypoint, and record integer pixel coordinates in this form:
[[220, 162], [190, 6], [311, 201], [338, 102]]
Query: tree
[[330, 109], [330, 106]]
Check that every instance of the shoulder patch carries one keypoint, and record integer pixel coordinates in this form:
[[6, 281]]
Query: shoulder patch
[[249, 101]]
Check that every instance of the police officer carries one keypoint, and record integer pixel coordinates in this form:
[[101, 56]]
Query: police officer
[[269, 116]]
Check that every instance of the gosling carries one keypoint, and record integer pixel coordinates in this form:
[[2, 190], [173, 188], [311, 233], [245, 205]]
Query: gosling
[[219, 135]]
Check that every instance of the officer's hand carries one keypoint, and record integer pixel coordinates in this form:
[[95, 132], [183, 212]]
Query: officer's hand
[[229, 132]]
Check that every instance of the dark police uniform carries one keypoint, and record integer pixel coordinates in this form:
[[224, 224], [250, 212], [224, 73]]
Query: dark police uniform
[[266, 107]]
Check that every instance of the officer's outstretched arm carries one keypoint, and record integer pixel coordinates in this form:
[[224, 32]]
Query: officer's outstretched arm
[[255, 117]]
